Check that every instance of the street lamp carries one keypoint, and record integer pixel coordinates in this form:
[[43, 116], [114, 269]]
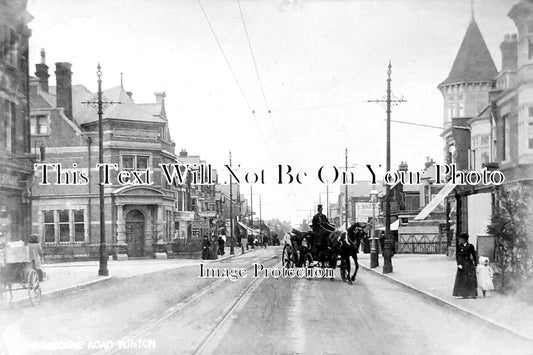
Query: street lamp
[[373, 247]]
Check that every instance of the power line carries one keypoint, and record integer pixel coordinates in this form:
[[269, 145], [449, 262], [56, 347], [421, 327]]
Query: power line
[[417, 124], [253, 56], [225, 57], [257, 73]]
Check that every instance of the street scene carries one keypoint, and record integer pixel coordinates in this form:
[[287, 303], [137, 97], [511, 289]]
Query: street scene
[[266, 177]]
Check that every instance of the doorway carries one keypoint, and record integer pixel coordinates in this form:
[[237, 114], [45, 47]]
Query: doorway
[[135, 233]]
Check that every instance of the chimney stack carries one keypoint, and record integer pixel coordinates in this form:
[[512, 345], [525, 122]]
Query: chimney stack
[[159, 97], [403, 166], [183, 153], [509, 48], [64, 87], [41, 72]]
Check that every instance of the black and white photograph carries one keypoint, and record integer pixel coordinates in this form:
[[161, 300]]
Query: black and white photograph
[[266, 177]]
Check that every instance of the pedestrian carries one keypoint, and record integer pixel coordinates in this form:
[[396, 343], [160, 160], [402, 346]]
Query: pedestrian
[[36, 255], [465, 279], [205, 248], [244, 242], [221, 243], [484, 275]]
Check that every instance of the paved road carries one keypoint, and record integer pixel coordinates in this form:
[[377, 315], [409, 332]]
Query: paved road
[[175, 311]]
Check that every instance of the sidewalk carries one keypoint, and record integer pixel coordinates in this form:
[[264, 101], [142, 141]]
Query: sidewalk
[[66, 277], [434, 276]]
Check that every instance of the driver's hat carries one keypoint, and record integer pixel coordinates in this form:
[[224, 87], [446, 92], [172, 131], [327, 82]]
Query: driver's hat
[[319, 206]]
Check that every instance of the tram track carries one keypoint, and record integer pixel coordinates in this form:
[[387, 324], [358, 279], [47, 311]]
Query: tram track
[[189, 301]]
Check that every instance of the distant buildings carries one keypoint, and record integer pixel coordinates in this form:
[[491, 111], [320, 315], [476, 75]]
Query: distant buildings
[[16, 160]]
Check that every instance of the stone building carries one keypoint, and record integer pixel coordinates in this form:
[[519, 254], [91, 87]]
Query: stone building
[[16, 160], [139, 210]]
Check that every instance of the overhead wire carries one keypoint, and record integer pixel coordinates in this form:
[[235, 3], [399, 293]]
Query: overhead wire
[[225, 57], [261, 86], [252, 111]]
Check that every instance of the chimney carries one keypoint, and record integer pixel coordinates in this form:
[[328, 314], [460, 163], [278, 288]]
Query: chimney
[[429, 162], [41, 72], [64, 87], [159, 97], [403, 166], [509, 48], [183, 153]]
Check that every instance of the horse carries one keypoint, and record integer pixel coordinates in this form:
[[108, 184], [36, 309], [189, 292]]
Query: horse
[[350, 242]]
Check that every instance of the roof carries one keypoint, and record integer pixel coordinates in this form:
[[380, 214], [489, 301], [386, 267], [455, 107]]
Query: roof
[[521, 8], [126, 110], [473, 62]]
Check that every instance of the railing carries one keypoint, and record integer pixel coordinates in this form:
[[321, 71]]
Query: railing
[[422, 243]]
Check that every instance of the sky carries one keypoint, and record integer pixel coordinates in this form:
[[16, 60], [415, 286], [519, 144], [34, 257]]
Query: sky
[[313, 64]]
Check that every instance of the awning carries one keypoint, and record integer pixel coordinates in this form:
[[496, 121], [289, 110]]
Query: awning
[[393, 226], [437, 200], [248, 229]]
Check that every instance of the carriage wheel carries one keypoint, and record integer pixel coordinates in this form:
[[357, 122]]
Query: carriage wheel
[[34, 289], [7, 295], [287, 259]]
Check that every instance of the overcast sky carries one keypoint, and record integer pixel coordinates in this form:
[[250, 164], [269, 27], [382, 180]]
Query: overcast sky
[[318, 60]]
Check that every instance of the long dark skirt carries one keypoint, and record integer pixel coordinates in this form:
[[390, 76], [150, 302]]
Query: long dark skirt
[[465, 282]]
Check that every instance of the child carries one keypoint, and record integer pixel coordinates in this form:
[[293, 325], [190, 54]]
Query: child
[[484, 275]]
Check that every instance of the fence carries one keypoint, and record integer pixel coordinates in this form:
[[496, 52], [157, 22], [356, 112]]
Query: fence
[[422, 243]]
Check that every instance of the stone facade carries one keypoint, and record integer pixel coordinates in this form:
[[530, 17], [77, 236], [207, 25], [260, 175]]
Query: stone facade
[[16, 160]]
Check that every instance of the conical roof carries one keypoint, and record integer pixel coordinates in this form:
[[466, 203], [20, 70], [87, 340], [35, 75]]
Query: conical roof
[[473, 62]]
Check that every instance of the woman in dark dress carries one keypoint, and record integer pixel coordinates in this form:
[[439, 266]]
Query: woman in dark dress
[[465, 280], [205, 248]]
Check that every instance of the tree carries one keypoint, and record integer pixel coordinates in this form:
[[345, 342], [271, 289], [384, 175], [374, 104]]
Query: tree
[[508, 225]]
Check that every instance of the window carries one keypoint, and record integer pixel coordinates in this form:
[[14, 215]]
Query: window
[[61, 223], [49, 226], [8, 45], [135, 162], [530, 48], [64, 226], [79, 226], [530, 135], [505, 141], [7, 125], [39, 124]]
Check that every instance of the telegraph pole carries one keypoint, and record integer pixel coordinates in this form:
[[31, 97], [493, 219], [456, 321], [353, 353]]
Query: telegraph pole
[[100, 105], [251, 208], [346, 187], [387, 253], [232, 239]]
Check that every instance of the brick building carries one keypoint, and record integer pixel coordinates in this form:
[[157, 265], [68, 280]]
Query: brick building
[[136, 138], [488, 118], [16, 161]]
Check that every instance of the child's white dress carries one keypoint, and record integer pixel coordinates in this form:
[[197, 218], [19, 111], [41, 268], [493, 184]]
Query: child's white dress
[[484, 277]]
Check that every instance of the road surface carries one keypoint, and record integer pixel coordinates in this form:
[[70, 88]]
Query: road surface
[[177, 312]]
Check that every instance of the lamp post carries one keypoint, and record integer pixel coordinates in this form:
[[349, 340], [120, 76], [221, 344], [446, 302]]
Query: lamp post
[[99, 104], [373, 247]]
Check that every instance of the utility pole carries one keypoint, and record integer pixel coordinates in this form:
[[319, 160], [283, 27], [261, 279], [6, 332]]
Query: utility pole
[[346, 188], [100, 105], [232, 239], [251, 207], [260, 216], [387, 253]]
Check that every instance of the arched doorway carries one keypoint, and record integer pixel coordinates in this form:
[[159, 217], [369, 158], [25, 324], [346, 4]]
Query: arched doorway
[[135, 233]]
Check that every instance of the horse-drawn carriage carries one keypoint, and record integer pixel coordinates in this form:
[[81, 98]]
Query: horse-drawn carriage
[[324, 248], [16, 268]]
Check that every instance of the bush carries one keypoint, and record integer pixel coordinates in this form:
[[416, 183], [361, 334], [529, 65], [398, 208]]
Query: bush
[[513, 249]]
